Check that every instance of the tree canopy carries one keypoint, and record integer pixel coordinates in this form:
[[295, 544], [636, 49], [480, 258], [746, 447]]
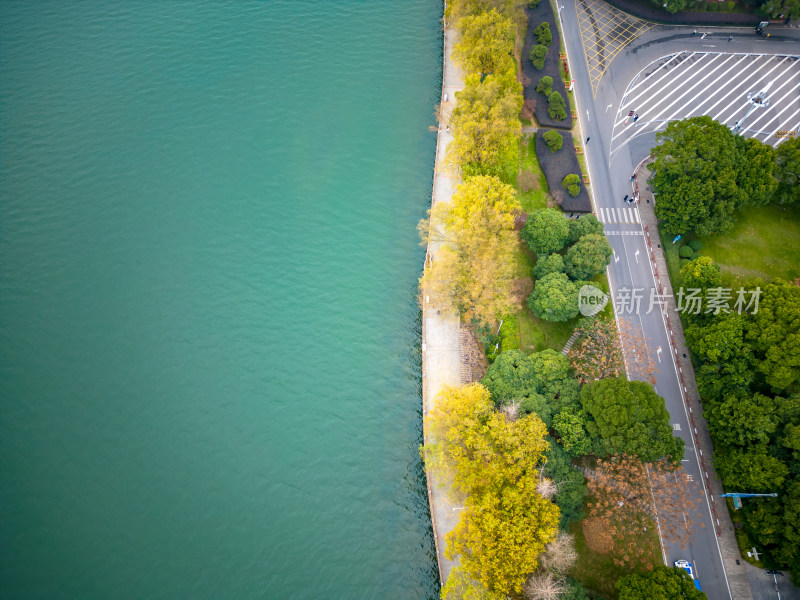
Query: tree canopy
[[554, 298], [589, 256], [628, 417], [549, 263], [584, 225], [487, 39], [787, 168], [546, 231], [701, 273], [495, 462], [474, 270], [662, 583], [696, 177], [485, 125]]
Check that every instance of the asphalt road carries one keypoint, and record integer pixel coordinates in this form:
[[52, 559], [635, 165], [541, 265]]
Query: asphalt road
[[630, 269]]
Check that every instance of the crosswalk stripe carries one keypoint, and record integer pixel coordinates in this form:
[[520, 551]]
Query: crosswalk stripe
[[636, 215], [600, 216]]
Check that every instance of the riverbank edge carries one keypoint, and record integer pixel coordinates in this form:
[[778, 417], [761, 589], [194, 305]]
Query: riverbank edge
[[440, 330]]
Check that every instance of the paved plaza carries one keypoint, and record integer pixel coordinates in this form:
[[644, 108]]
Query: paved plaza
[[759, 93]]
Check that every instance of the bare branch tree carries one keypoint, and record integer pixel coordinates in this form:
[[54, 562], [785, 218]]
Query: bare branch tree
[[630, 495], [560, 555], [544, 586]]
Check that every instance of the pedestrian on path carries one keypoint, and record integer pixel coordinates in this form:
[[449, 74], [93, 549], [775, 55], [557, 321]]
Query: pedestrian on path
[[587, 139], [730, 38]]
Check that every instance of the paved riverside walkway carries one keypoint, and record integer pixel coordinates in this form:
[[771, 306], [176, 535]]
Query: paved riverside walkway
[[726, 537], [441, 353]]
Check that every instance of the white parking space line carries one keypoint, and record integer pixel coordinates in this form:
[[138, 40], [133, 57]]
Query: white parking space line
[[761, 77], [650, 109], [786, 120], [714, 84], [774, 101], [674, 56], [703, 96], [630, 101]]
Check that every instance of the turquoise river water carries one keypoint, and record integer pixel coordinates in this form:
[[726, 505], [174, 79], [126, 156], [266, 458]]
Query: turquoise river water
[[209, 340]]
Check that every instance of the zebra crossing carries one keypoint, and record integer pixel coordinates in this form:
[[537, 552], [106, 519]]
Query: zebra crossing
[[623, 215]]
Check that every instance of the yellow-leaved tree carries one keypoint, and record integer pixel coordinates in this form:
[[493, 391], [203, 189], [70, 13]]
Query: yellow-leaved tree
[[485, 125], [474, 269], [486, 44], [496, 461]]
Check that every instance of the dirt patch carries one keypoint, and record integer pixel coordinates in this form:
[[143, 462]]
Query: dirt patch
[[527, 181], [597, 537], [531, 75], [556, 166]]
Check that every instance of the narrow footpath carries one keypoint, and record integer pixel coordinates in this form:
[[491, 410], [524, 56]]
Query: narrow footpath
[[441, 352]]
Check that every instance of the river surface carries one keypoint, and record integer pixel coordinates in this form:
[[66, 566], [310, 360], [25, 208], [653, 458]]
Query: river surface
[[209, 339]]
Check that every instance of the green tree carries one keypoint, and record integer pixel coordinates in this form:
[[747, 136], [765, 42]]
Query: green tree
[[486, 127], [672, 6], [752, 470], [553, 140], [701, 273], [548, 263], [543, 34], [774, 333], [755, 173], [628, 417], [511, 377], [695, 166], [545, 85], [474, 270], [540, 382], [778, 9], [571, 484], [554, 298], [584, 225], [569, 425], [742, 421], [556, 107], [787, 171], [589, 256], [545, 231], [486, 44], [724, 354], [537, 55], [662, 583]]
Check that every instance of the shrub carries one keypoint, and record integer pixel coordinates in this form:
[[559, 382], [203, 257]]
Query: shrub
[[574, 190], [533, 3], [537, 55], [545, 85], [543, 34], [696, 245], [684, 261], [557, 108], [731, 5], [685, 252], [553, 140], [569, 180]]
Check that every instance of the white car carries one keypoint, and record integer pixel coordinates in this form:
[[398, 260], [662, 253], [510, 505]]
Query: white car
[[687, 566]]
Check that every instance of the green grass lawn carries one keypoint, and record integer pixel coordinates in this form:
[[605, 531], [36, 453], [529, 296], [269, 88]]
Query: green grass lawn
[[531, 179], [597, 570], [765, 243]]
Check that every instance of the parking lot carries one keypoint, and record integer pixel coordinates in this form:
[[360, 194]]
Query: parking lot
[[757, 94]]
